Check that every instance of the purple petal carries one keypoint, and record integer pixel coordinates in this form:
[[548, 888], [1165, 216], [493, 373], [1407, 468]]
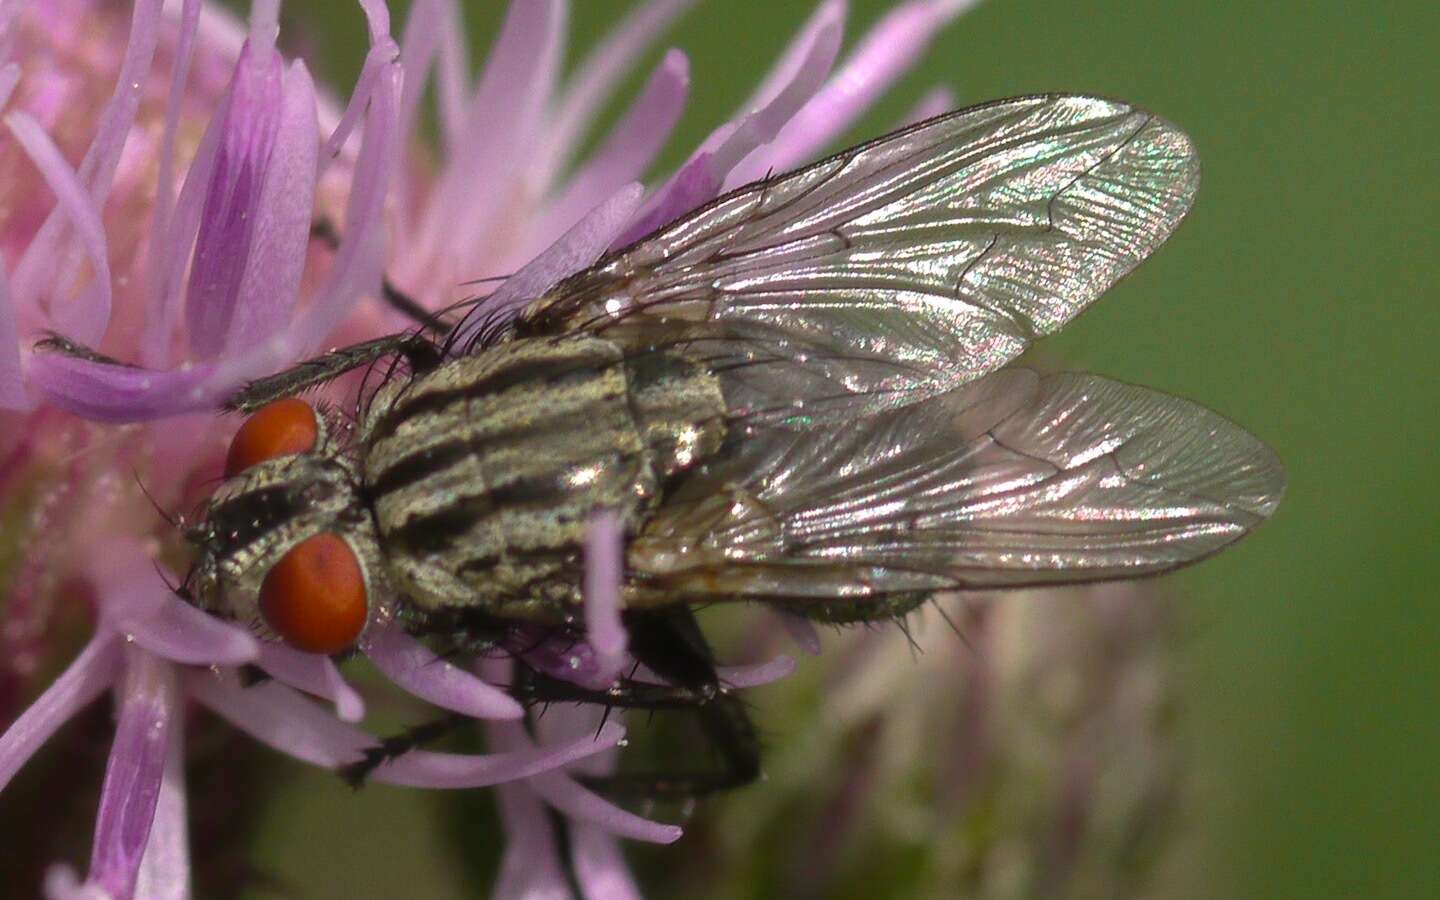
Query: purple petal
[[937, 100], [359, 260], [561, 656], [314, 674], [801, 630], [600, 865], [530, 867], [264, 22], [172, 247], [415, 668], [45, 261], [108, 393], [132, 778], [785, 69], [12, 387], [888, 51], [232, 197], [286, 721], [165, 867], [580, 247], [281, 718], [9, 77], [595, 79], [282, 217], [92, 672], [432, 25], [482, 166], [136, 601], [422, 768], [566, 795], [12, 390], [604, 572], [155, 343], [627, 151], [701, 178], [61, 883], [86, 318], [740, 677]]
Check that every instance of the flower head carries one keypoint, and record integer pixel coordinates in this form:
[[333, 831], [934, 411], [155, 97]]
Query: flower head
[[181, 245]]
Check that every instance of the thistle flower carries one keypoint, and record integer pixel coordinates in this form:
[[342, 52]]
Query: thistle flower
[[179, 246], [1039, 759]]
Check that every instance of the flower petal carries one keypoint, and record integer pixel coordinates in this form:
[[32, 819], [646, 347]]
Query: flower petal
[[600, 865], [530, 866], [482, 167], [281, 718], [12, 386], [888, 51], [597, 76], [154, 347], [415, 668], [359, 260], [131, 791], [46, 261], [801, 630], [626, 152], [422, 768], [111, 393], [563, 793], [700, 179], [560, 656], [85, 318], [580, 247], [227, 223], [283, 215], [566, 795], [604, 572], [434, 25], [314, 674], [285, 720], [739, 677], [165, 867], [91, 673]]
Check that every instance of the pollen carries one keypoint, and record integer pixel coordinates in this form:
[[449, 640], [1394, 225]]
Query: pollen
[[281, 428], [314, 598]]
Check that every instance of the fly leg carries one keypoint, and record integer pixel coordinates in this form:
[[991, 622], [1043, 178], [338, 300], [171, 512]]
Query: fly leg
[[419, 352], [398, 745], [669, 643]]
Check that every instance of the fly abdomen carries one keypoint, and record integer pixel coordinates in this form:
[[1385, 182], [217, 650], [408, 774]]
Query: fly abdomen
[[485, 473]]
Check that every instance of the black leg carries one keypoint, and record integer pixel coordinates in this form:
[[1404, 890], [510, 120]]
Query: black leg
[[398, 745], [669, 643], [418, 352]]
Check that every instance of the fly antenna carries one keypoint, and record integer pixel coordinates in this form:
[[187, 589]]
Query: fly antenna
[[171, 519]]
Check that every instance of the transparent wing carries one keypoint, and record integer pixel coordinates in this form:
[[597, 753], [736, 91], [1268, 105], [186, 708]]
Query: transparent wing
[[1011, 480], [901, 268]]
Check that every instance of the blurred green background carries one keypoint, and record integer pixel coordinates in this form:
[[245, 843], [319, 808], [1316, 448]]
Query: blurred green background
[[1300, 299]]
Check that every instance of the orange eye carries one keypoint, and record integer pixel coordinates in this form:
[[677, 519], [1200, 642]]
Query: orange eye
[[314, 597], [275, 429]]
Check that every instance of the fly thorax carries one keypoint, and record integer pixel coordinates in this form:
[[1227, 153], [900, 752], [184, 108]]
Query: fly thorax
[[485, 473]]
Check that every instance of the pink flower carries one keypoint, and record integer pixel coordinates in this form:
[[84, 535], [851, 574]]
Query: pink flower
[[179, 244]]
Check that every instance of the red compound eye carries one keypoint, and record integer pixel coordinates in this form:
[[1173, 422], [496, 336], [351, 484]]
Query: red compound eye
[[275, 429], [314, 597]]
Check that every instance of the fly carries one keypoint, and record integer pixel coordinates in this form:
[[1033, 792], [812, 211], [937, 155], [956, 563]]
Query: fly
[[797, 395]]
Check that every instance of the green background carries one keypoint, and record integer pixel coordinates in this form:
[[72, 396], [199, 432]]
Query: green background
[[1299, 299]]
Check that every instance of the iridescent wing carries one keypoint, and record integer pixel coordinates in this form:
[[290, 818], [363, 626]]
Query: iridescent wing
[[1011, 480], [901, 268]]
